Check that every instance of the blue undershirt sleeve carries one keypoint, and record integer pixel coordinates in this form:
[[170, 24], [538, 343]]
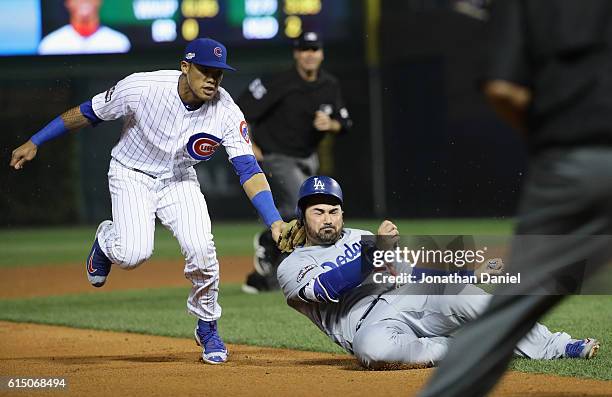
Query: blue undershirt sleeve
[[87, 111], [245, 166]]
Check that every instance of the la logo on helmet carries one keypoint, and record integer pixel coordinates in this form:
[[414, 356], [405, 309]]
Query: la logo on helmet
[[318, 184]]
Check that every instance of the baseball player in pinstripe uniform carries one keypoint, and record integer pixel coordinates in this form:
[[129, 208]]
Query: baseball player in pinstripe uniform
[[172, 120], [329, 280]]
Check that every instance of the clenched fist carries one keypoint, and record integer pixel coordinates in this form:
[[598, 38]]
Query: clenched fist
[[22, 154], [322, 122], [388, 235]]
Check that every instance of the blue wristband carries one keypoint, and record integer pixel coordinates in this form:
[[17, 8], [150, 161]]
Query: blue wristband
[[264, 203], [52, 130]]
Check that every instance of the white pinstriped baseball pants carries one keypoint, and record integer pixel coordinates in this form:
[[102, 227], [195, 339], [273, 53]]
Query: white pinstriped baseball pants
[[179, 204]]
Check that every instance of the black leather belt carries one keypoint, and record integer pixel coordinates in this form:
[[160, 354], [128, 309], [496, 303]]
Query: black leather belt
[[142, 172], [135, 169]]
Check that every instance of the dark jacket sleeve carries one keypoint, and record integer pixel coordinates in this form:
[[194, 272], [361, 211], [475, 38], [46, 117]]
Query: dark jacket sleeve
[[341, 113], [507, 52], [261, 95]]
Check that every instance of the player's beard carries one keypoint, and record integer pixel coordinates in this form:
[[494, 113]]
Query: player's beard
[[324, 235]]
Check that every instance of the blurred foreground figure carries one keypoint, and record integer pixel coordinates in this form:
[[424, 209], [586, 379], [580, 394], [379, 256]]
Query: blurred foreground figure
[[548, 75]]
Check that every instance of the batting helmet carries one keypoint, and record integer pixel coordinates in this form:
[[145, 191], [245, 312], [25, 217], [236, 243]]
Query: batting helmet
[[318, 185]]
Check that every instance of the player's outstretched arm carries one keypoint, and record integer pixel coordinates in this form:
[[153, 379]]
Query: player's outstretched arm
[[258, 191], [70, 120], [332, 284], [256, 187]]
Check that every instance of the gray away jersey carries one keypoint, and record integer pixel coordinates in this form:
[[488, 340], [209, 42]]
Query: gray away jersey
[[336, 320]]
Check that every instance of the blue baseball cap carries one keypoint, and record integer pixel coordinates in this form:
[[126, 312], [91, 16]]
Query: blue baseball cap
[[318, 185], [207, 52]]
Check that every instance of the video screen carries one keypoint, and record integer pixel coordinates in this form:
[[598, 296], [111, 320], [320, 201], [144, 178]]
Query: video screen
[[64, 27]]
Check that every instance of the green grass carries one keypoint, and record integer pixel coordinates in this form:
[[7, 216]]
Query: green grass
[[581, 317], [47, 246], [262, 320], [265, 320]]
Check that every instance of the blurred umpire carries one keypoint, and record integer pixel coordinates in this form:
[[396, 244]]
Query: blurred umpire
[[549, 74], [288, 115]]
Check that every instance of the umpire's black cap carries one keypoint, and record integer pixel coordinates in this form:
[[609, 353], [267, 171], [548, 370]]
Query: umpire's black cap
[[308, 41]]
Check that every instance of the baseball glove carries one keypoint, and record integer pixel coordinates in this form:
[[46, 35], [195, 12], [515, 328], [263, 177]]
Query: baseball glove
[[293, 235]]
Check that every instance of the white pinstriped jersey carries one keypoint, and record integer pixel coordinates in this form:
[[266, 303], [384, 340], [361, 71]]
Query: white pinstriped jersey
[[157, 127]]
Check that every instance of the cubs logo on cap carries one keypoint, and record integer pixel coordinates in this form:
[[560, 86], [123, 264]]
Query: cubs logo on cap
[[207, 52], [202, 146]]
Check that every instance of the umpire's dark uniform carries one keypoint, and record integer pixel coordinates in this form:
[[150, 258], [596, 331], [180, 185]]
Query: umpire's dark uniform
[[280, 112], [562, 52]]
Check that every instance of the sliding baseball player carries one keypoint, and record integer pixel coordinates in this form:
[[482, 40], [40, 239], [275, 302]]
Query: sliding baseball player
[[327, 280]]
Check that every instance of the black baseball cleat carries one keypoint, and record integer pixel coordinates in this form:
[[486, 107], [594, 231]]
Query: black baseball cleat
[[265, 258]]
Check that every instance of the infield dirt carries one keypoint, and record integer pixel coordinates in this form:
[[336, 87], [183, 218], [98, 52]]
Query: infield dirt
[[97, 363]]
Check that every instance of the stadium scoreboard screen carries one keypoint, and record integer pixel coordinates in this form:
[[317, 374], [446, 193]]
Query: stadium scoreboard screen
[[60, 27]]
